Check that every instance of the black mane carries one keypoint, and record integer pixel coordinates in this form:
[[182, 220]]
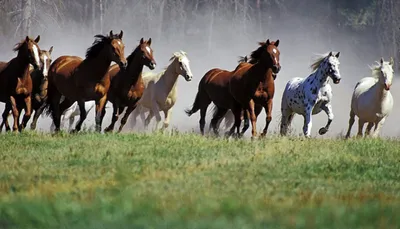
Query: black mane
[[98, 45]]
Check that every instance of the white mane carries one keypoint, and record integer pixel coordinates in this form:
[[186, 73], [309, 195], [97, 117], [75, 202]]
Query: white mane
[[317, 61]]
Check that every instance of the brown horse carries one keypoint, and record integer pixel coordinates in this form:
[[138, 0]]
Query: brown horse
[[39, 89], [127, 86], [235, 90], [81, 80], [16, 82]]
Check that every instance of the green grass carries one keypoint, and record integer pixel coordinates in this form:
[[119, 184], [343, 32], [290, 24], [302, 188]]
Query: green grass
[[95, 181]]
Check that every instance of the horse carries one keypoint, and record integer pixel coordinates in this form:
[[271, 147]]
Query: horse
[[80, 80], [73, 111], [39, 89], [372, 101], [235, 89], [160, 92], [127, 86], [309, 96], [16, 82]]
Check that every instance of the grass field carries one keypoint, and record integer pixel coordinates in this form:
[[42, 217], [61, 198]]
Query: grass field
[[188, 181]]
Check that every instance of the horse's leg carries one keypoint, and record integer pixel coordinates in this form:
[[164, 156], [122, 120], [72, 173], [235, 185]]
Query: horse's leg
[[237, 112], [100, 104], [28, 111], [15, 113], [126, 116], [360, 127], [253, 118], [351, 122], [368, 129], [328, 110], [156, 112], [246, 118], [82, 115], [268, 113], [167, 114], [114, 118], [36, 116], [307, 122], [378, 126], [220, 113], [134, 115], [286, 120], [71, 122], [148, 119], [5, 115]]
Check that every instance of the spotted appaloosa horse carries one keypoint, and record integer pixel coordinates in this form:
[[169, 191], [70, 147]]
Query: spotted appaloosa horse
[[308, 96]]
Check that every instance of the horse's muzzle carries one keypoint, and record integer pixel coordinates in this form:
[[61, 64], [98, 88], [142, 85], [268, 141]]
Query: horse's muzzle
[[336, 81], [152, 65], [188, 78], [387, 87], [123, 65], [276, 69]]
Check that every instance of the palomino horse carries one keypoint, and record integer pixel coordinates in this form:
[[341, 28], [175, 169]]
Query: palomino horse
[[372, 101], [16, 82], [234, 90], [39, 89], [160, 92], [127, 86], [83, 80], [308, 96]]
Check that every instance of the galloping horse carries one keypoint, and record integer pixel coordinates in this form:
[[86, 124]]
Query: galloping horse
[[234, 90], [83, 80], [39, 89], [160, 92], [308, 96], [127, 86], [372, 101], [16, 82]]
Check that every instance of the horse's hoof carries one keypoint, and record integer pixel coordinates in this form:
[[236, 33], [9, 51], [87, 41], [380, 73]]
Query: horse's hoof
[[254, 138], [322, 131], [107, 130]]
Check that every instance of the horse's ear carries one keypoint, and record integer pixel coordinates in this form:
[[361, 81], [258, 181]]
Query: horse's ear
[[37, 39], [51, 49], [120, 34], [111, 33], [149, 42], [267, 42], [26, 38], [382, 60], [141, 41], [391, 61], [276, 43], [337, 55], [330, 54]]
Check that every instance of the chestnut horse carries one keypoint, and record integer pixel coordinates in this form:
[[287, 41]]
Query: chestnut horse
[[16, 82], [81, 80], [235, 90], [263, 98], [127, 86], [39, 89]]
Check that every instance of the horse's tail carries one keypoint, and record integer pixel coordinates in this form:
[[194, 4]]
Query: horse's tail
[[195, 106], [51, 90]]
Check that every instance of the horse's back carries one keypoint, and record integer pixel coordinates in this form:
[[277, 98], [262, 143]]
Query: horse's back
[[148, 77], [64, 66]]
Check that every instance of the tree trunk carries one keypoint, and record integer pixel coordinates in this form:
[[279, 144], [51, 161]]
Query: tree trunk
[[161, 18], [101, 16], [210, 33], [26, 17], [94, 16]]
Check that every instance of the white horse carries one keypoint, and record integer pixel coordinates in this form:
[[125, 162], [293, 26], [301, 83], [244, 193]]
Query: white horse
[[160, 92], [372, 101], [72, 112], [308, 96]]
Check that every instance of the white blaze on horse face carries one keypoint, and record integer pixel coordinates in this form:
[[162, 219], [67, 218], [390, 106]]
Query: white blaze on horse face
[[186, 67], [45, 66], [274, 51], [36, 54], [148, 49], [387, 72], [335, 66]]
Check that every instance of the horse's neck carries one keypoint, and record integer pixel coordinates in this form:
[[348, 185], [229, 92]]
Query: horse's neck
[[134, 71], [98, 66], [319, 78], [379, 90], [260, 70], [169, 78], [21, 60]]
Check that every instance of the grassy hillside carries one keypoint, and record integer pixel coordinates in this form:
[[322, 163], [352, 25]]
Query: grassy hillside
[[188, 181]]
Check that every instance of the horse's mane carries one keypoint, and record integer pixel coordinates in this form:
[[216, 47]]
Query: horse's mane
[[376, 69], [19, 45], [177, 55], [255, 56], [129, 59], [243, 59], [98, 45], [314, 66]]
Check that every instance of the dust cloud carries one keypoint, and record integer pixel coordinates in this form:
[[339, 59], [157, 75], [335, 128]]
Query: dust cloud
[[299, 42]]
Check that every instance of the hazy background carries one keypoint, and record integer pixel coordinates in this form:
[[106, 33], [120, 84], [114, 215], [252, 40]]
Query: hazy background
[[214, 33]]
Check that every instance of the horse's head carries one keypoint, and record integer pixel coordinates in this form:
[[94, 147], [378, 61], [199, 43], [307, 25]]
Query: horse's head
[[331, 66], [268, 53], [45, 60], [182, 67], [387, 72], [147, 53], [31, 50], [117, 49]]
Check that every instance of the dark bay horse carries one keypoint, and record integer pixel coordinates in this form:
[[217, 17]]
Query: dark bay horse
[[127, 86], [80, 80], [39, 89], [16, 82], [235, 90]]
